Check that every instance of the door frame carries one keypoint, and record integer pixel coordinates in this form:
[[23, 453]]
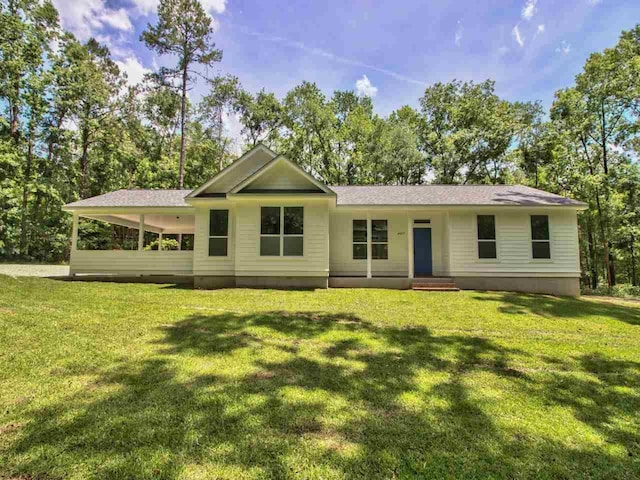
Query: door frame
[[413, 244]]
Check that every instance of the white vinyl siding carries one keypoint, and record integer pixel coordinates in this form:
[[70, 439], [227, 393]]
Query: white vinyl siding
[[513, 234], [132, 262], [203, 264], [315, 259], [341, 258], [238, 173], [281, 177]]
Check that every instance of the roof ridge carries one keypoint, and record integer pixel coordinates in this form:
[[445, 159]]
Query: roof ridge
[[443, 185]]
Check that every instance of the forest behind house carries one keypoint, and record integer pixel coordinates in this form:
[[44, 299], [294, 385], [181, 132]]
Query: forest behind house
[[71, 127]]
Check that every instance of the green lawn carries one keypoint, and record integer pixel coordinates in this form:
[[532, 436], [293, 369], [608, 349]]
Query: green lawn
[[103, 380]]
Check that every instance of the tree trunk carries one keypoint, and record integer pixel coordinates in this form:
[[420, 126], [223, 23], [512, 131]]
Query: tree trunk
[[84, 161], [612, 266], [592, 256], [24, 247], [15, 112], [222, 149], [634, 279], [183, 112]]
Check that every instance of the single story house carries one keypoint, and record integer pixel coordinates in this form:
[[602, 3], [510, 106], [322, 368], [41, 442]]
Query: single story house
[[264, 222]]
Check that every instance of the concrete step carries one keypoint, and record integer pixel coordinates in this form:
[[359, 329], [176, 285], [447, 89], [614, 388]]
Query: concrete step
[[424, 280], [434, 284], [441, 285], [436, 289]]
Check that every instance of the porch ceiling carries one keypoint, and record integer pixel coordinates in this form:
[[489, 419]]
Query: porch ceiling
[[153, 222]]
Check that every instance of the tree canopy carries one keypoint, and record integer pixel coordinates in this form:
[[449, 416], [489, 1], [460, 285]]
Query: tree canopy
[[70, 127]]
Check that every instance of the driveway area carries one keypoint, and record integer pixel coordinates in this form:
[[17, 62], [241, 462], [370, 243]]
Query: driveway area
[[27, 270]]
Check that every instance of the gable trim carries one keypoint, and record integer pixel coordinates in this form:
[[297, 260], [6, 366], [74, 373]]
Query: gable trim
[[228, 168], [272, 164]]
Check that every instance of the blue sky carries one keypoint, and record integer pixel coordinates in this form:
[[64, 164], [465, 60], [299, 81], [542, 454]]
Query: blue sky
[[389, 50]]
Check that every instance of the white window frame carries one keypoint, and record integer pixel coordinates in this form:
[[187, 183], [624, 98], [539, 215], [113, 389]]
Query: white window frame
[[281, 235], [380, 243], [478, 240], [532, 241], [219, 236], [365, 243]]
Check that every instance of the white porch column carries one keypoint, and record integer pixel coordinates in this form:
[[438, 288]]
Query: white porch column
[[410, 245], [74, 233], [368, 245], [141, 234], [160, 241], [74, 242]]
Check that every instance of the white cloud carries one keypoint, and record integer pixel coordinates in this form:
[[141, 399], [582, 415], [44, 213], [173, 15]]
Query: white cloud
[[147, 7], [134, 69], [517, 36], [86, 17], [540, 28], [364, 88], [117, 45], [503, 51], [529, 9], [459, 31], [564, 48], [118, 19]]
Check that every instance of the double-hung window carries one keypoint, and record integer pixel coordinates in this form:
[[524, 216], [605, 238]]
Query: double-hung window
[[379, 240], [487, 236], [282, 231], [218, 232], [359, 239], [540, 240]]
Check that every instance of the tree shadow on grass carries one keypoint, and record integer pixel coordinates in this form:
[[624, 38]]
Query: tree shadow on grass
[[561, 307], [329, 396]]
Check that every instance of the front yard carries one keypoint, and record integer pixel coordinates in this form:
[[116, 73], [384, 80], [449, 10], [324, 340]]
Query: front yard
[[103, 380]]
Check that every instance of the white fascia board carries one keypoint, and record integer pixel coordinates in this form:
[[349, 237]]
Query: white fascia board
[[188, 210], [459, 208], [229, 168], [272, 164]]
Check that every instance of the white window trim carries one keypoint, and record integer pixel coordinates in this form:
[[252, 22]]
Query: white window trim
[[281, 235], [219, 236], [531, 240], [380, 243], [366, 241], [477, 240]]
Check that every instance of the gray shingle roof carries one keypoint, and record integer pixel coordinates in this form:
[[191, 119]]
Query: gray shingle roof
[[136, 198], [448, 195], [492, 195]]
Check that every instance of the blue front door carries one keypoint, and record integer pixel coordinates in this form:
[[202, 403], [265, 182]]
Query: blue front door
[[422, 263]]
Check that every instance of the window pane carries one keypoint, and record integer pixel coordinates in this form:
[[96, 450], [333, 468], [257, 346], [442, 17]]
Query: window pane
[[487, 249], [360, 231], [217, 247], [379, 231], [293, 220], [539, 227], [270, 246], [187, 241], [270, 221], [541, 250], [380, 251], [486, 227], [359, 251], [293, 246], [218, 223]]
